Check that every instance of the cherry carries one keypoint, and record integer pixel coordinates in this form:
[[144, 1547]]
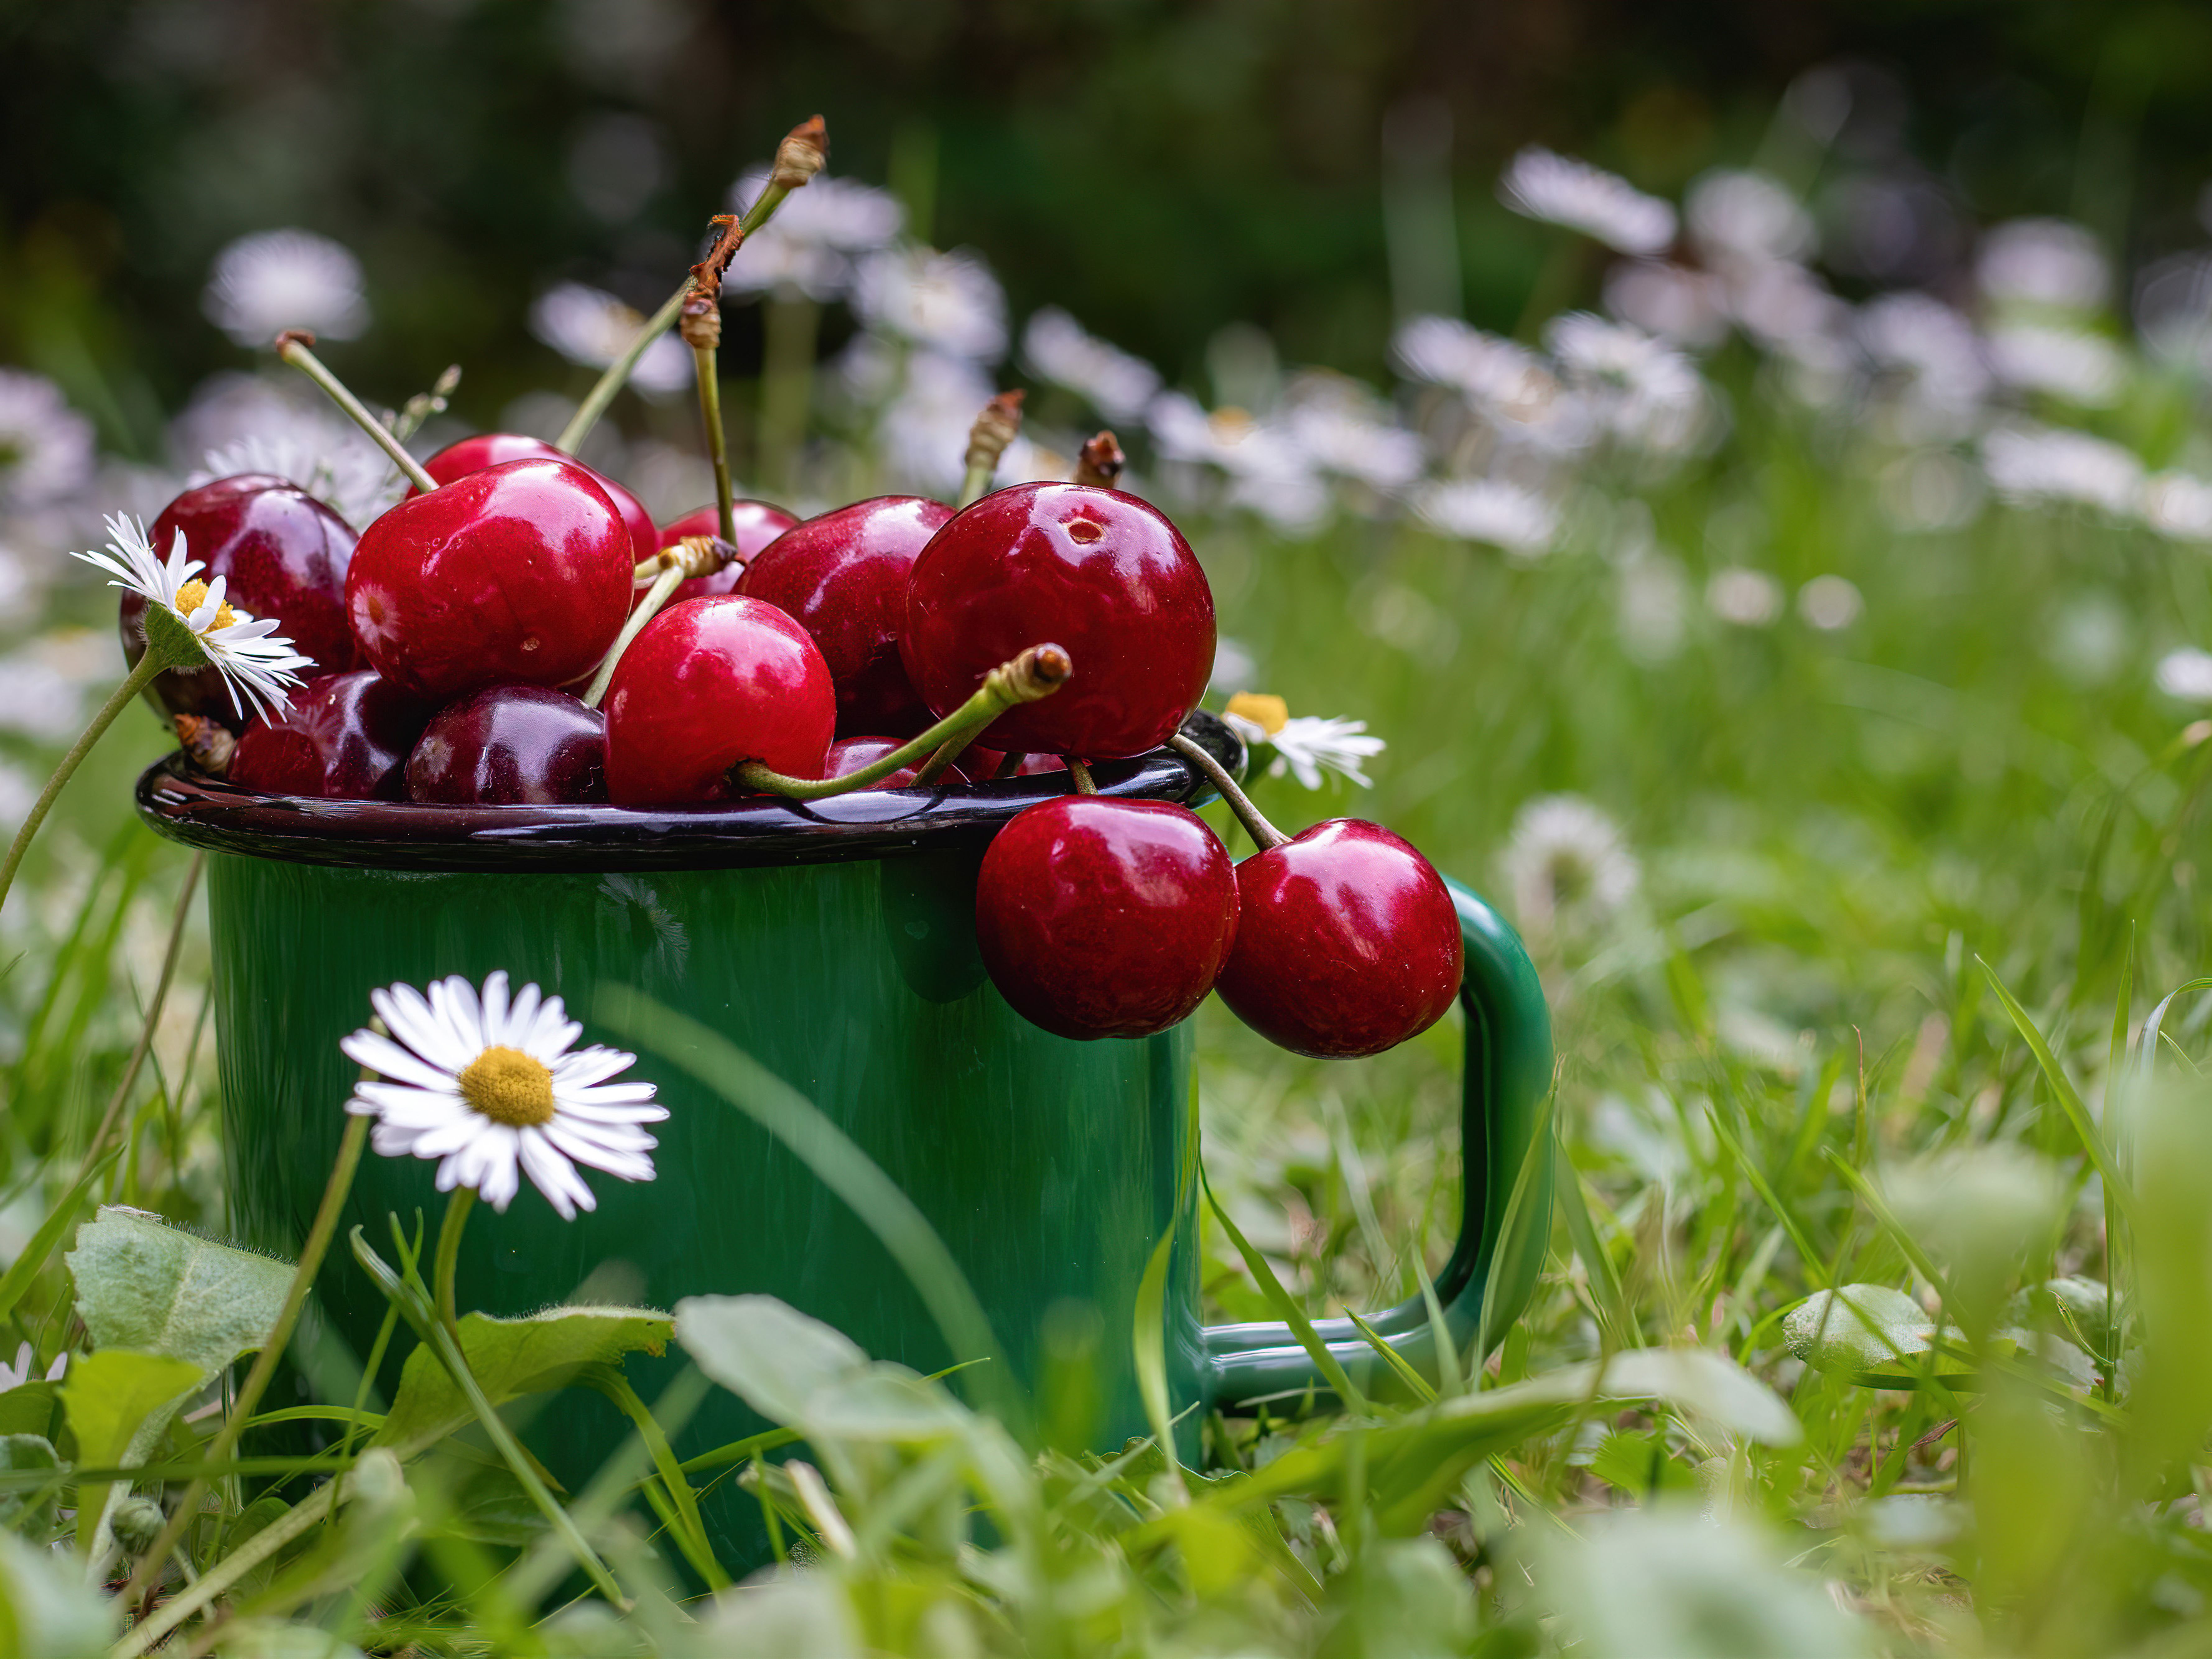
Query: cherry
[[509, 745], [710, 684], [848, 755], [843, 576], [1348, 944], [281, 552], [757, 523], [346, 738], [519, 572], [457, 460], [1101, 572], [980, 763], [1104, 918]]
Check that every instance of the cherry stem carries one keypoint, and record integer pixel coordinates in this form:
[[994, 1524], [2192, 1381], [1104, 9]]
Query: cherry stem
[[947, 752], [988, 438], [1080, 772], [1036, 673], [710, 410], [1254, 822], [1009, 765], [292, 345], [671, 576]]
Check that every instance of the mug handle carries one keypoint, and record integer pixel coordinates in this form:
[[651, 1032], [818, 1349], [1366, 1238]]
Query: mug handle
[[1508, 1074]]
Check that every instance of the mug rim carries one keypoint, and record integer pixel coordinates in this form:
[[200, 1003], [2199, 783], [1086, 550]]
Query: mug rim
[[213, 815]]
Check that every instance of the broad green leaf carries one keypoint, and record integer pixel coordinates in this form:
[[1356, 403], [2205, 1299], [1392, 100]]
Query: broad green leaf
[[781, 1618], [46, 1610], [28, 1453], [119, 1404], [1404, 1599], [1860, 1327], [1640, 1463], [773, 1357], [1701, 1381], [511, 1357], [29, 1409], [143, 1284]]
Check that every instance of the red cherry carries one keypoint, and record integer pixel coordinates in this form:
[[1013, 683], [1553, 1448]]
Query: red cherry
[[844, 577], [281, 552], [707, 685], [457, 460], [1105, 918], [980, 763], [757, 523], [1349, 942], [510, 743], [517, 573], [848, 755], [346, 738], [1101, 572]]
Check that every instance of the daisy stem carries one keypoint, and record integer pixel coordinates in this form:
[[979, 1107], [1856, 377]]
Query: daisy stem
[[137, 680], [325, 1225], [1037, 672], [1249, 816], [145, 1042], [671, 577], [292, 346], [449, 1255]]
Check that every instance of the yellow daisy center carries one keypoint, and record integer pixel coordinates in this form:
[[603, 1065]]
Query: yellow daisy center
[[1270, 713], [193, 594], [509, 1087]]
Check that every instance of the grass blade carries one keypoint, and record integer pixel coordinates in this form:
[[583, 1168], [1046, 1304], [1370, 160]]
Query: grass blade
[[1281, 1299], [2069, 1102]]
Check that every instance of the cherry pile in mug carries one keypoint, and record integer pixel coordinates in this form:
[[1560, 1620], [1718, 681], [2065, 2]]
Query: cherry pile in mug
[[454, 634]]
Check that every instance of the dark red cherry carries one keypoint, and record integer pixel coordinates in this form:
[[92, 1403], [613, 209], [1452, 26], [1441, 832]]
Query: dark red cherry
[[757, 523], [1348, 942], [511, 745], [1100, 573], [709, 684], [518, 573], [346, 738], [848, 755], [1103, 918], [844, 577], [281, 552], [457, 461], [980, 763]]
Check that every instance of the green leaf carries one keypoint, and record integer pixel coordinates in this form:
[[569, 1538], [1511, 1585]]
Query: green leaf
[[1859, 1328], [1641, 1463], [142, 1284], [25, 1268], [119, 1404], [29, 1409], [46, 1610], [28, 1454], [511, 1357], [1524, 1236], [2069, 1102], [800, 1372], [1324, 1361]]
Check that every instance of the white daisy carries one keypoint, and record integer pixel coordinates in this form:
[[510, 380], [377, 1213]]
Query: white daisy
[[2178, 505], [1057, 348], [949, 303], [277, 279], [491, 1088], [1749, 599], [2044, 262], [1341, 427], [811, 243], [200, 631], [1751, 216], [1562, 191], [2072, 363], [46, 447], [1566, 860], [2186, 674], [1304, 746], [15, 1376], [2028, 464], [1490, 510], [1646, 394], [354, 480], [593, 328]]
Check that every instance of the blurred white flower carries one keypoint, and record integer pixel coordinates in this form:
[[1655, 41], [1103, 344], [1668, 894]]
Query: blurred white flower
[[1643, 391], [1234, 666], [495, 1090], [357, 481], [1056, 348], [589, 326], [1562, 191], [927, 401], [46, 447], [1742, 214], [2186, 674], [280, 279], [811, 242], [1652, 611], [1565, 861], [949, 303], [1830, 603], [1266, 472], [1933, 349], [2072, 363], [18, 792], [1673, 301], [39, 701], [23, 1371], [1308, 746], [1787, 308], [2177, 506], [1502, 380], [1748, 598], [1341, 427], [1490, 510], [2043, 262], [2027, 464]]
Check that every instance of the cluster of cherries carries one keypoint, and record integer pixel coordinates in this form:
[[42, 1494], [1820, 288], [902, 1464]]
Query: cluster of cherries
[[479, 643]]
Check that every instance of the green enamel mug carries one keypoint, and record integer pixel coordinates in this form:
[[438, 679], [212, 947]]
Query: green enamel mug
[[833, 944]]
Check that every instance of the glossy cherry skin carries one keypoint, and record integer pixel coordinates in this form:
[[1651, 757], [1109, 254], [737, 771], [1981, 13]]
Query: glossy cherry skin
[[757, 523], [844, 577], [1099, 572], [709, 685], [1103, 918], [509, 746], [1348, 944], [281, 553], [457, 460], [347, 739], [848, 755], [520, 572]]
